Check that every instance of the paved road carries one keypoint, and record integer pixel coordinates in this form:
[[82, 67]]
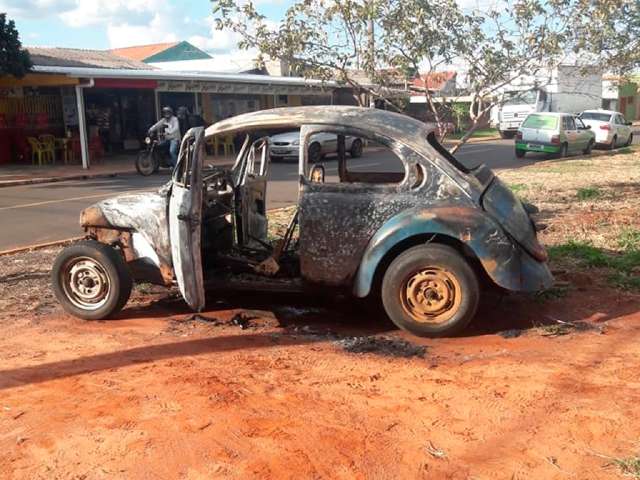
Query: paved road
[[47, 212]]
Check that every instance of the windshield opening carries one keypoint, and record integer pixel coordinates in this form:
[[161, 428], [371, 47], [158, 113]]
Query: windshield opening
[[521, 98]]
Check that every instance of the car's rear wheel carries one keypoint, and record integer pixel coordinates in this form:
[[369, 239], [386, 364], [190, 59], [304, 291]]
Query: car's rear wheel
[[356, 148], [520, 153], [614, 143], [564, 150], [430, 291], [315, 153], [590, 145], [91, 280]]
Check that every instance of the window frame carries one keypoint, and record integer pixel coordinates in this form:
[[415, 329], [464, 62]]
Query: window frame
[[400, 150]]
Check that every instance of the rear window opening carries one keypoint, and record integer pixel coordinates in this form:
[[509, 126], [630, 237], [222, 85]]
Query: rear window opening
[[600, 117], [542, 122], [433, 141]]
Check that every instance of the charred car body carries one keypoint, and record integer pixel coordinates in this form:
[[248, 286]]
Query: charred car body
[[424, 240]]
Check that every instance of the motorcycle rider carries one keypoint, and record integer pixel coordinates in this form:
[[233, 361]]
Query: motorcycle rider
[[171, 127]]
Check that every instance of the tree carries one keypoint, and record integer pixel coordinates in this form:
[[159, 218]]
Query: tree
[[610, 31], [340, 39], [14, 60]]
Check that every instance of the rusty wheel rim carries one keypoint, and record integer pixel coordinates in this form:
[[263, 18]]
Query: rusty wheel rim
[[431, 295]]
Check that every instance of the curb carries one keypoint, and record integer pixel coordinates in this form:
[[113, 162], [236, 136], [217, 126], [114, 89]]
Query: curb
[[39, 246], [476, 140], [84, 176]]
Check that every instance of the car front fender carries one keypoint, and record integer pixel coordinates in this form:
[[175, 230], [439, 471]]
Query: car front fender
[[504, 261]]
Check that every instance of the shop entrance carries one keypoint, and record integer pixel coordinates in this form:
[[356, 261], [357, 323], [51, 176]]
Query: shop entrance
[[119, 118]]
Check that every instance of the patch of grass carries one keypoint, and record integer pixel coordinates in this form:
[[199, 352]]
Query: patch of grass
[[629, 467], [629, 239], [480, 133], [518, 187], [552, 293], [587, 193], [624, 266], [625, 150], [587, 255]]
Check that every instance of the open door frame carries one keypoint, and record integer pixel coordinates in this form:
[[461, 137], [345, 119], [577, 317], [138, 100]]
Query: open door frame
[[185, 219]]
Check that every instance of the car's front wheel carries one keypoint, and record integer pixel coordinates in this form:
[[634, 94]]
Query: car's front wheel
[[431, 291], [590, 145], [146, 163], [564, 150], [614, 143], [91, 280], [520, 153]]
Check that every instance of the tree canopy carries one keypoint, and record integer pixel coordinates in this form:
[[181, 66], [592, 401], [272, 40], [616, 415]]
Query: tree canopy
[[14, 60]]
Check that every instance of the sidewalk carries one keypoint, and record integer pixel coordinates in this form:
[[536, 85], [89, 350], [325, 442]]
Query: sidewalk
[[25, 174]]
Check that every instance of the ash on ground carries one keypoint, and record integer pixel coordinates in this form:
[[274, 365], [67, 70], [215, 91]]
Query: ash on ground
[[383, 346]]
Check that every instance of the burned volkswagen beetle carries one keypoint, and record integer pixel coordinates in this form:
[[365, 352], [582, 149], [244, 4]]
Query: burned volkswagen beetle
[[424, 238]]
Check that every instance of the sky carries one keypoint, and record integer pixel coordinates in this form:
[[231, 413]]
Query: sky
[[103, 24]]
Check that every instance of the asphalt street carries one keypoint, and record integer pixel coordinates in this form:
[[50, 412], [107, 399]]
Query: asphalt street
[[34, 214]]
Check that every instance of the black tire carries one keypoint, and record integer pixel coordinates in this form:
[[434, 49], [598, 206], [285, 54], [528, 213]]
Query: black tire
[[507, 134], [356, 148], [315, 152], [587, 151], [520, 153], [564, 150], [614, 141], [438, 269], [146, 163], [92, 260], [630, 141]]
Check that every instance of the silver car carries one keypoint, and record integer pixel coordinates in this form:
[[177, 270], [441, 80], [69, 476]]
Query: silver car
[[554, 133], [286, 146], [610, 128]]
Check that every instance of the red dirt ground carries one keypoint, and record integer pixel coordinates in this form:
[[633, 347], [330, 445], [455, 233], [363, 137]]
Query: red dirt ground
[[155, 394]]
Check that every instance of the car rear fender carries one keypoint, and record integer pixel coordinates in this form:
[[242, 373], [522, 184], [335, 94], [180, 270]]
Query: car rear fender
[[503, 260]]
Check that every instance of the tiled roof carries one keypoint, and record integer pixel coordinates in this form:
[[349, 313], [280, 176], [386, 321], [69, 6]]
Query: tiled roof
[[434, 80], [142, 52], [76, 57]]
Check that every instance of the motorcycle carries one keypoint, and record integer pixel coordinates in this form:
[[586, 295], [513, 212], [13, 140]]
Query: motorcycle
[[155, 156]]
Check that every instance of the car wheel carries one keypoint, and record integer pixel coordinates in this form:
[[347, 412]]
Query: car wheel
[[630, 141], [564, 150], [356, 148], [614, 142], [315, 153], [430, 291], [91, 280], [587, 150], [506, 134], [520, 153]]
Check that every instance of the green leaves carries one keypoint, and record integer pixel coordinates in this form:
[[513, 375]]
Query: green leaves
[[14, 60]]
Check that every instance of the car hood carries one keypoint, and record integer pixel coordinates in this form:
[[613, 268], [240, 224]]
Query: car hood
[[286, 137]]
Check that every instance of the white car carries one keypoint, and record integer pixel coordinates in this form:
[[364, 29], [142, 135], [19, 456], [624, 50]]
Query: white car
[[286, 146], [611, 128]]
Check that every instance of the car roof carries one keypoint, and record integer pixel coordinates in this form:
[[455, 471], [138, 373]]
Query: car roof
[[400, 127], [553, 114], [609, 112]]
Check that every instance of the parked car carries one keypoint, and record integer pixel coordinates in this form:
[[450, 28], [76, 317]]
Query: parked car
[[554, 133], [286, 146], [610, 128], [427, 238]]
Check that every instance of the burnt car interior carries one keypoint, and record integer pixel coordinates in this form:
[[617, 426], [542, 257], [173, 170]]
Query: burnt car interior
[[235, 236]]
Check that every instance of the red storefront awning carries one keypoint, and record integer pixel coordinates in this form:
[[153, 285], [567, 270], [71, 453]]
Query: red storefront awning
[[125, 83]]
